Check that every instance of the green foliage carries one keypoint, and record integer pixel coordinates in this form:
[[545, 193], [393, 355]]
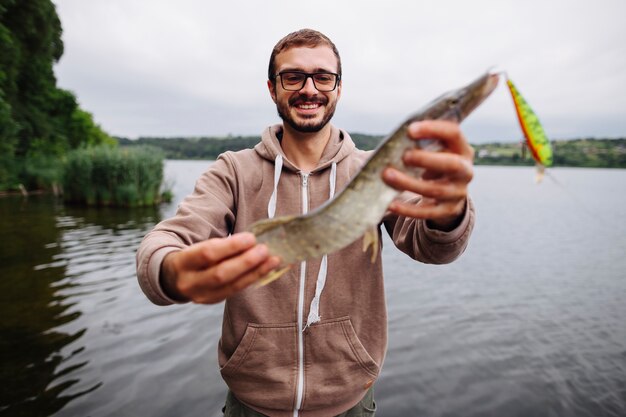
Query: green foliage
[[42, 172], [111, 176], [82, 130], [38, 121], [8, 172], [592, 153], [589, 152], [8, 126], [366, 142], [194, 148]]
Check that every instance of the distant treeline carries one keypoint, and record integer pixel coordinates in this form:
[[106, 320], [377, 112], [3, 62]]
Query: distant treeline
[[211, 147], [587, 152]]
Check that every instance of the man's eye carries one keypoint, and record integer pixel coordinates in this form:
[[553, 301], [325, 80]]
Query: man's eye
[[292, 78], [323, 78]]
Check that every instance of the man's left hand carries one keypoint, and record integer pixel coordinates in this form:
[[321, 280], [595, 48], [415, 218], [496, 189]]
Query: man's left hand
[[444, 183]]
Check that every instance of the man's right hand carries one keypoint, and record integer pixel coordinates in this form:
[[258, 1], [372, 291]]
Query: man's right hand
[[211, 271]]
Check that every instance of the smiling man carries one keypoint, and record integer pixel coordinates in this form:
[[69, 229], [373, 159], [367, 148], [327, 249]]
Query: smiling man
[[311, 343], [305, 84], [312, 108]]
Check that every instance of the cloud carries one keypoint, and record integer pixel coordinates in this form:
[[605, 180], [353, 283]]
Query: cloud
[[155, 68]]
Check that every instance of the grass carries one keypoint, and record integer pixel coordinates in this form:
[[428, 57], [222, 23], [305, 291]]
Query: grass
[[105, 176]]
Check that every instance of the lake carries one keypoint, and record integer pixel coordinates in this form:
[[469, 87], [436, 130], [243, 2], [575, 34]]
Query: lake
[[530, 321]]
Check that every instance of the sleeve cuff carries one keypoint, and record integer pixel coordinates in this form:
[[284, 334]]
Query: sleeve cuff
[[154, 272], [439, 236]]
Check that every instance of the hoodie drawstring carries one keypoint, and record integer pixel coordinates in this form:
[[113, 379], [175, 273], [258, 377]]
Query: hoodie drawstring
[[278, 167], [314, 309], [314, 315]]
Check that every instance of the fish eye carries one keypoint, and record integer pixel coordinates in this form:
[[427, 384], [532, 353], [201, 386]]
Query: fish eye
[[453, 102]]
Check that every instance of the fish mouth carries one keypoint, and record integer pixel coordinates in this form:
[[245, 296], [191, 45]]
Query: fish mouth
[[488, 82], [470, 97], [483, 87], [493, 78]]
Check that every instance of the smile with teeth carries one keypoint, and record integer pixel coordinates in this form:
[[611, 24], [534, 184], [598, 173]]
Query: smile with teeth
[[311, 106]]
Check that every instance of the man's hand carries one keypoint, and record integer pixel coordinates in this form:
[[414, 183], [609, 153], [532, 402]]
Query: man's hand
[[444, 184], [211, 271]]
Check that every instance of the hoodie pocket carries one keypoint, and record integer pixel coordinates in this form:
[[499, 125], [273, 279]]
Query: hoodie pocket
[[262, 369], [337, 366]]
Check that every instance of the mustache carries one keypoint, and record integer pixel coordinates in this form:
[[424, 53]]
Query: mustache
[[302, 98]]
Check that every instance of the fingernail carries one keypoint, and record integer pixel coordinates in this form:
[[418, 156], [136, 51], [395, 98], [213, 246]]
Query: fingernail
[[246, 238], [261, 250], [414, 127], [390, 174]]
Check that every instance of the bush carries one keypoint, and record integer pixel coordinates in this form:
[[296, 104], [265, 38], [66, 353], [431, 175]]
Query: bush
[[42, 172], [114, 176], [32, 172]]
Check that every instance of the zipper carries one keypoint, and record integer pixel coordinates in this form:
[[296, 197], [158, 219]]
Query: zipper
[[300, 381]]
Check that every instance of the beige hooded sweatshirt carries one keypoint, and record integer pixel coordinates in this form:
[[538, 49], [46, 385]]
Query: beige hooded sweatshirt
[[268, 356]]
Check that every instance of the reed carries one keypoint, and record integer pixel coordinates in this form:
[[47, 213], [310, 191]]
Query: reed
[[106, 176]]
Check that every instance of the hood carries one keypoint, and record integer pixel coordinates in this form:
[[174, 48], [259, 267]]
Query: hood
[[339, 147]]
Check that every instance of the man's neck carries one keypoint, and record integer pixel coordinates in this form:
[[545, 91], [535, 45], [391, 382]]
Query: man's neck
[[305, 149]]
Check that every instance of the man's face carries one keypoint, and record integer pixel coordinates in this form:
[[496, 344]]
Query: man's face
[[305, 110]]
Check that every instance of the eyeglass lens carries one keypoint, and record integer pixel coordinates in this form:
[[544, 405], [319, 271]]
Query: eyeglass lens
[[294, 81]]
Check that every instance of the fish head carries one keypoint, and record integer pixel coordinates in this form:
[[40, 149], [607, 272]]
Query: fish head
[[457, 104]]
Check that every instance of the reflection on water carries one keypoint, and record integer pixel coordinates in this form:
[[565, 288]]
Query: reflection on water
[[529, 322], [48, 257]]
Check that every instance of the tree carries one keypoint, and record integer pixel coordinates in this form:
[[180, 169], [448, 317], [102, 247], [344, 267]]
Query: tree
[[37, 119]]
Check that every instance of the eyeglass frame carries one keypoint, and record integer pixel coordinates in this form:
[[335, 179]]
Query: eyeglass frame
[[308, 75]]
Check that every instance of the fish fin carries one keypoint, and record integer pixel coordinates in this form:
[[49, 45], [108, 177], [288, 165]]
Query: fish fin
[[273, 276], [371, 239], [263, 226]]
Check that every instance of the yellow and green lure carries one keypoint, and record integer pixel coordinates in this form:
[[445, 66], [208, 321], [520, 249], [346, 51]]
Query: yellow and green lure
[[536, 138]]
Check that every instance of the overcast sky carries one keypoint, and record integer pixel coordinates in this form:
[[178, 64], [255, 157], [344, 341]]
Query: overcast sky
[[199, 67]]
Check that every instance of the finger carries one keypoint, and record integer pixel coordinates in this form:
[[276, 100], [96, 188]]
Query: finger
[[451, 165], [229, 270], [428, 209], [212, 251], [240, 283], [440, 189], [272, 263], [449, 133]]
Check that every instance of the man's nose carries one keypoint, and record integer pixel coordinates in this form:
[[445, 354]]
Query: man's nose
[[308, 87]]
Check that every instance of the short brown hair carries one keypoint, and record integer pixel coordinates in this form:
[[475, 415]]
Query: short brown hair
[[304, 37]]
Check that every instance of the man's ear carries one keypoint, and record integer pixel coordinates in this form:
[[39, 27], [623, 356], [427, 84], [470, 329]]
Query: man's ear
[[272, 87]]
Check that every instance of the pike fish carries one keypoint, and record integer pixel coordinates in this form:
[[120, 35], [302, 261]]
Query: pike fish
[[358, 209]]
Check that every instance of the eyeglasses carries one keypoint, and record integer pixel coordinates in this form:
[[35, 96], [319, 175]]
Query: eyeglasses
[[295, 80]]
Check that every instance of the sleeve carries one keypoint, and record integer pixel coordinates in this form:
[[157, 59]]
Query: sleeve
[[207, 213], [422, 243]]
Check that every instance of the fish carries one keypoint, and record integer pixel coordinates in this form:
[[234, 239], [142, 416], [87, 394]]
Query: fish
[[358, 209]]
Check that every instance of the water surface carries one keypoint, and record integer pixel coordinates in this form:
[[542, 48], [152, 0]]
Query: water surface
[[529, 322]]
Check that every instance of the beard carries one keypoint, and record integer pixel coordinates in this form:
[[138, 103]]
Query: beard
[[306, 126]]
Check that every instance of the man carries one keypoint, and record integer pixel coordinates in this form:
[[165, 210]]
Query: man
[[289, 348]]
